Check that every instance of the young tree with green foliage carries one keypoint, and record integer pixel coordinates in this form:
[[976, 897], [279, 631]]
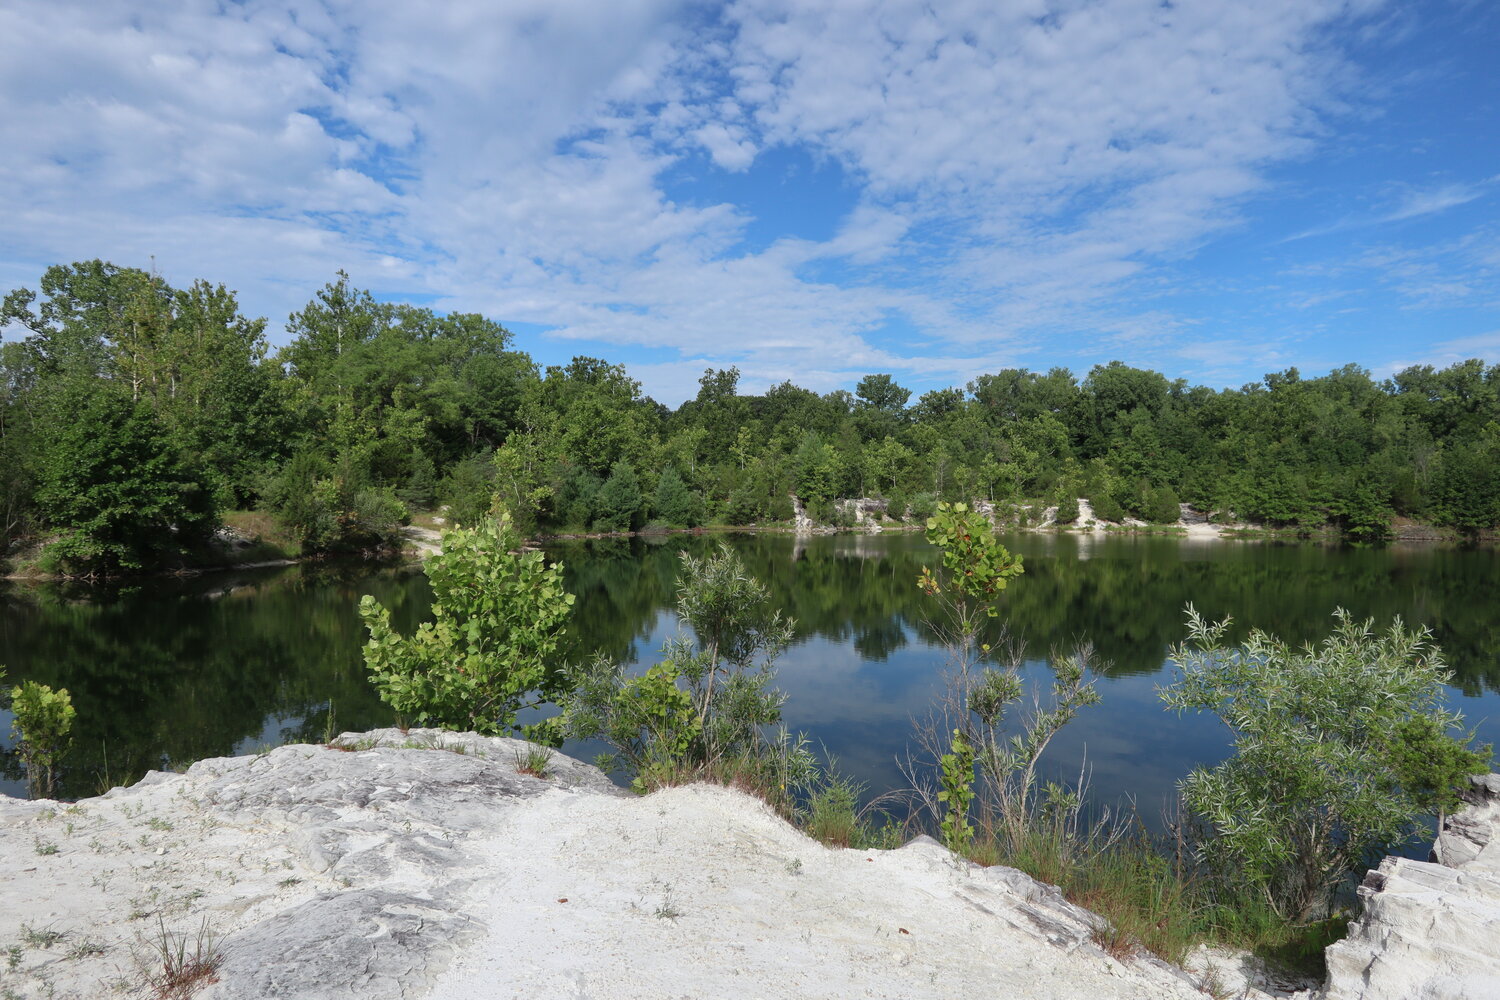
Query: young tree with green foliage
[[674, 502], [1340, 749], [976, 571], [1162, 506], [620, 501], [491, 650], [43, 725], [709, 698], [1067, 507]]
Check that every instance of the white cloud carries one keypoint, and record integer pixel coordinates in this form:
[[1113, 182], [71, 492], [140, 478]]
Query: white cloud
[[1015, 163], [1411, 204]]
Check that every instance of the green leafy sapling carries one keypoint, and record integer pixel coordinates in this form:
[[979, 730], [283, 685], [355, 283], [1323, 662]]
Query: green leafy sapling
[[957, 794], [976, 571], [710, 696], [491, 650], [1340, 750], [44, 727]]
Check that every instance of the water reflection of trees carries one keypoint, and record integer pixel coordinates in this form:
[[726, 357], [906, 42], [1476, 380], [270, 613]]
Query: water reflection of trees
[[1125, 595], [180, 670]]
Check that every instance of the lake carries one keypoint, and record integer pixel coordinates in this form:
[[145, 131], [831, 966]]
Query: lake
[[166, 672]]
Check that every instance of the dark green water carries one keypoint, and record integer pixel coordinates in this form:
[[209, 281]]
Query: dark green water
[[171, 672]]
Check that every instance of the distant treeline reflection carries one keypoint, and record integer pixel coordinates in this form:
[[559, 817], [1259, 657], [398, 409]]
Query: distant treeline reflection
[[169, 672]]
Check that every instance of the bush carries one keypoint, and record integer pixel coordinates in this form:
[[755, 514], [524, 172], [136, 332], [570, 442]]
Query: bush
[[674, 502], [1340, 750], [469, 488], [118, 491], [43, 724], [620, 504], [1162, 506], [743, 507], [896, 505], [923, 506], [1067, 510], [1107, 508], [780, 508], [708, 698], [491, 650]]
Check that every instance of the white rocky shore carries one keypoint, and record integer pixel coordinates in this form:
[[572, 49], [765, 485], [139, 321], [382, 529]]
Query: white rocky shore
[[423, 864]]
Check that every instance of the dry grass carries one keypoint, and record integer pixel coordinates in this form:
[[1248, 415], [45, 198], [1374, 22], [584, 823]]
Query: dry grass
[[182, 964]]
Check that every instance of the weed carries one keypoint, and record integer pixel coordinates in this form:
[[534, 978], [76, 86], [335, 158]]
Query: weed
[[157, 823], [533, 760], [1116, 943], [13, 957], [667, 910], [794, 866], [186, 963], [43, 848], [1211, 982], [287, 883], [43, 937], [85, 947], [330, 725], [833, 813]]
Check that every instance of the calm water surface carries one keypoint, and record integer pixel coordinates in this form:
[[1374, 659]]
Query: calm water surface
[[170, 672]]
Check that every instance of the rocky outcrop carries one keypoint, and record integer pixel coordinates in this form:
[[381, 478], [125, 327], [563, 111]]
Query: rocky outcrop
[[423, 864], [1430, 930], [866, 513]]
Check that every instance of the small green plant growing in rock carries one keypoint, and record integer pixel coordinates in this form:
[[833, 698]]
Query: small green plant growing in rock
[[491, 649], [533, 760], [1340, 749], [44, 726]]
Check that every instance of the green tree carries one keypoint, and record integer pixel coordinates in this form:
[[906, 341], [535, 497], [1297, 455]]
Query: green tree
[[674, 502], [1067, 508], [620, 501], [1162, 506], [490, 651], [1364, 511], [976, 571], [1339, 750], [118, 491]]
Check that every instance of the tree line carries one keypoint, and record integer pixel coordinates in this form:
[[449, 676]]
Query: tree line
[[133, 415]]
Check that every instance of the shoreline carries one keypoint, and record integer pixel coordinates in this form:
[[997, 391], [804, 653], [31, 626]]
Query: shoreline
[[420, 542]]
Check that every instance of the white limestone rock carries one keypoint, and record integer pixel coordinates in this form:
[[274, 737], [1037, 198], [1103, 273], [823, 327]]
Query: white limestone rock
[[1430, 930], [423, 864]]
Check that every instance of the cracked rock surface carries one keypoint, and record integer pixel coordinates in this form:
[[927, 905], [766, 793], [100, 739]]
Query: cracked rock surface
[[1430, 930], [423, 864], [320, 872]]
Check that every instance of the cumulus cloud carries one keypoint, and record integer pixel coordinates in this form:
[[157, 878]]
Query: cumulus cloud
[[1015, 165]]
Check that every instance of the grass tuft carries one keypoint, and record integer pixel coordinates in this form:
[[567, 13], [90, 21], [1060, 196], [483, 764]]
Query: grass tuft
[[186, 963], [533, 760]]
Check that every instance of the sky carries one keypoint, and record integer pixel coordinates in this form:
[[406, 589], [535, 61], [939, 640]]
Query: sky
[[808, 191]]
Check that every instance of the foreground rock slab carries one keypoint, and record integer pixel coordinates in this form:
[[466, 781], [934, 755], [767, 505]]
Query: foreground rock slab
[[423, 864]]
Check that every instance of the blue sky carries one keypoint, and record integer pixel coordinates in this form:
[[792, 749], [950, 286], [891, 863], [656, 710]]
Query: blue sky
[[812, 192]]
